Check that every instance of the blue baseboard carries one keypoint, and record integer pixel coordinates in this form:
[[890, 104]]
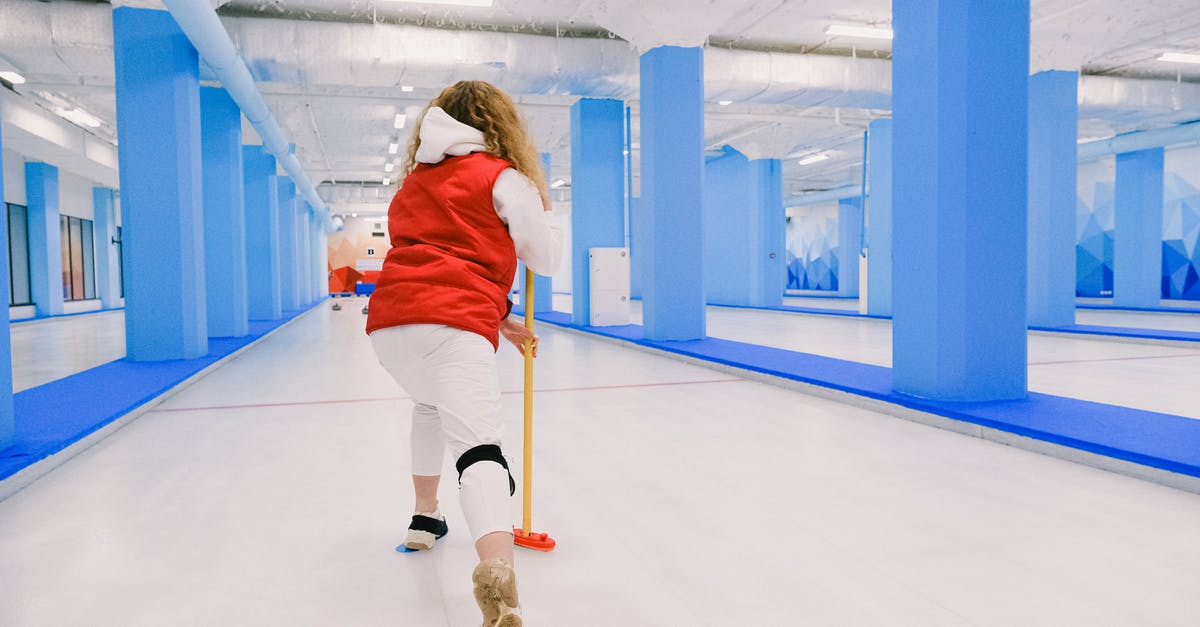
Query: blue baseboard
[[1153, 439], [51, 417]]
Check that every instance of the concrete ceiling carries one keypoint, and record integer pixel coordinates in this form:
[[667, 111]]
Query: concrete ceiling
[[342, 128]]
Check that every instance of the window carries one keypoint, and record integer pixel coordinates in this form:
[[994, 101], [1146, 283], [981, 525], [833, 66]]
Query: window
[[78, 258], [19, 289]]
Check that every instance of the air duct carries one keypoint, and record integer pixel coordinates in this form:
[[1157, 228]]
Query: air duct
[[828, 195], [1188, 133], [204, 29]]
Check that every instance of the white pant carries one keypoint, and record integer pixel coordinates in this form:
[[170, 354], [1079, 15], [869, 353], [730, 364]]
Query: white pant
[[451, 376]]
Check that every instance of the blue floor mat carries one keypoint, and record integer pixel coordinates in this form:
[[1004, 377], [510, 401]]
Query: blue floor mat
[[51, 417]]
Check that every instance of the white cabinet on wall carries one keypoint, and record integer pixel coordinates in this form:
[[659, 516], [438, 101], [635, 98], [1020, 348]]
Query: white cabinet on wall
[[608, 286]]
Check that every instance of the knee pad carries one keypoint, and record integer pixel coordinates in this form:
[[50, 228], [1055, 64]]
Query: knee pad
[[485, 453]]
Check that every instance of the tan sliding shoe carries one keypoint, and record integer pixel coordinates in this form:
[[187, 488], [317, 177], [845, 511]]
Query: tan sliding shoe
[[496, 592]]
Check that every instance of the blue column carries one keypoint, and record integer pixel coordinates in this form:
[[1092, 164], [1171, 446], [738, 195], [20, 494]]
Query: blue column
[[770, 271], [543, 290], [7, 426], [1053, 165], [289, 289], [879, 218], [597, 190], [730, 228], [108, 288], [322, 244], [960, 76], [45, 238], [158, 113], [320, 276], [224, 215], [639, 245], [303, 232], [1138, 229], [672, 129], [262, 234], [849, 245]]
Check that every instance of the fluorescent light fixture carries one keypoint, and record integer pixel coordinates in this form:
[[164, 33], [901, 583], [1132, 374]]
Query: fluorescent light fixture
[[558, 183], [78, 116], [817, 158], [406, 88], [861, 32], [354, 215], [12, 77], [387, 182], [400, 118], [393, 148], [389, 167], [454, 3], [1173, 57], [724, 103]]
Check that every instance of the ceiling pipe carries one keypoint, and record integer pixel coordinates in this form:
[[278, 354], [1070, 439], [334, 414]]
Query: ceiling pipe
[[829, 195], [204, 29], [1187, 133]]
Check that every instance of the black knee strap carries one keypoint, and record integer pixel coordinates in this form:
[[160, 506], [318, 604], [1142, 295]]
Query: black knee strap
[[485, 453]]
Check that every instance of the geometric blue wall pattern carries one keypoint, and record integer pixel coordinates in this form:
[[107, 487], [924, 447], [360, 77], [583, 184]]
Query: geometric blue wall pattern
[[812, 247], [1094, 229], [1181, 225]]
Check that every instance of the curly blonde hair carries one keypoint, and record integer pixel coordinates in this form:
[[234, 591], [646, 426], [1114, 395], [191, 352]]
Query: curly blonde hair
[[483, 106]]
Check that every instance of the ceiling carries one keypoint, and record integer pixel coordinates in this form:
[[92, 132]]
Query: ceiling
[[333, 71]]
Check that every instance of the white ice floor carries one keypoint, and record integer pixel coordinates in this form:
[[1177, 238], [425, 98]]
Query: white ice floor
[[273, 491]]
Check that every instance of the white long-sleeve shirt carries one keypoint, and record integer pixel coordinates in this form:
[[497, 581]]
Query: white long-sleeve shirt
[[537, 238]]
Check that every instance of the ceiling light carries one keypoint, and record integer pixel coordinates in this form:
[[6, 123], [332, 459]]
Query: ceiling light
[[354, 215], [862, 32], [78, 116], [1173, 57], [558, 183], [817, 158], [12, 77], [455, 3], [406, 88], [387, 182], [389, 167], [724, 103], [400, 118], [393, 148]]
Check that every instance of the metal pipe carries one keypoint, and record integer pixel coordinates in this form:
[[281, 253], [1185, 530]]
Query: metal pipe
[[204, 29], [1186, 133]]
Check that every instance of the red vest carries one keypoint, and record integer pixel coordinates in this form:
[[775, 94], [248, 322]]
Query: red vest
[[452, 260]]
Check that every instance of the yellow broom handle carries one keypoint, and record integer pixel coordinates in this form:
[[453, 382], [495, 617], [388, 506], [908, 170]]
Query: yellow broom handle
[[527, 505]]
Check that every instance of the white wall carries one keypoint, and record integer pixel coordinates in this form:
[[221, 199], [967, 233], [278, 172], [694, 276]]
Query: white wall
[[14, 178]]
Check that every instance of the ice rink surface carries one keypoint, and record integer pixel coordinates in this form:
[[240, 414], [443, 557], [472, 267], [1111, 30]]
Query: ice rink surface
[[273, 491]]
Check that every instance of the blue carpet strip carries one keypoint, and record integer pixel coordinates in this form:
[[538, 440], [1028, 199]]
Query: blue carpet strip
[[1163, 441], [51, 417]]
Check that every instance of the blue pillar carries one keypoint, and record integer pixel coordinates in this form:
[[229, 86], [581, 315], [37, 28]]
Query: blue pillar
[[158, 113], [108, 288], [672, 129], [1053, 165], [1138, 229], [849, 245], [7, 426], [224, 215], [744, 235], [289, 289], [960, 76], [322, 244], [543, 290], [320, 277], [262, 234], [770, 272], [597, 190], [730, 228], [45, 238], [303, 232], [879, 218], [639, 245]]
